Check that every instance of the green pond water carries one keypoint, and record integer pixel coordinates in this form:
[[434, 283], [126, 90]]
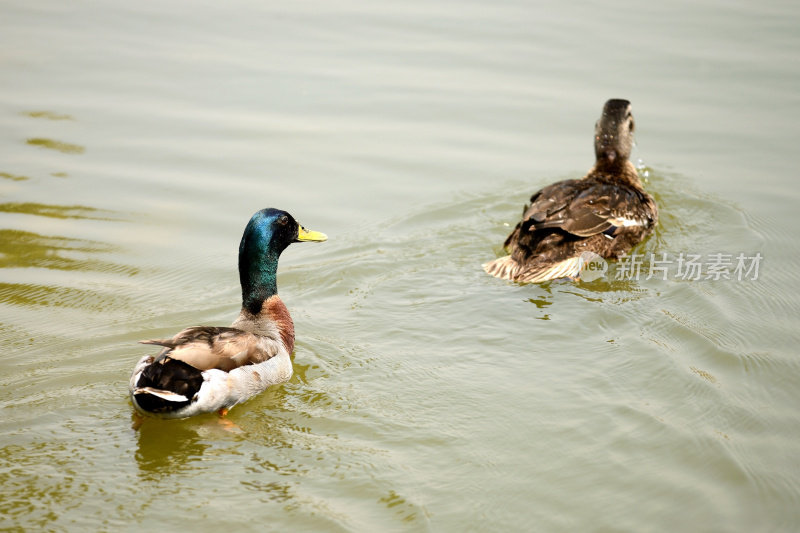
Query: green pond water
[[137, 140]]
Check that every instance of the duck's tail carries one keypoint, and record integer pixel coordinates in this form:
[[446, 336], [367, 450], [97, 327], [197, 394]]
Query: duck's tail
[[163, 394], [167, 386], [509, 269]]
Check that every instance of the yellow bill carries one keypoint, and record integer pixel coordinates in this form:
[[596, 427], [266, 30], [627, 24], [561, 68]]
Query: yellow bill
[[305, 235]]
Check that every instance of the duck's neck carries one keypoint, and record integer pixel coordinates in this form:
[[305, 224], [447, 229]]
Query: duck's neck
[[617, 171], [258, 276]]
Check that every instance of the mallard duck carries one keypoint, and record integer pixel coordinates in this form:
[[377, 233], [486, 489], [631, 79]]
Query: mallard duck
[[606, 213], [205, 369]]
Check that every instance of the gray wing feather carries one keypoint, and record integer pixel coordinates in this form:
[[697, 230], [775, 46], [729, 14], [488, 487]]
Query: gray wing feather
[[206, 347]]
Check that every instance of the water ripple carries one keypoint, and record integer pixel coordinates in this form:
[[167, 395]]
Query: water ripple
[[59, 146], [48, 115], [80, 212]]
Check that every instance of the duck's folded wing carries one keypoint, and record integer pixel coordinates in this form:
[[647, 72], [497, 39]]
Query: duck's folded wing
[[549, 202], [206, 347], [586, 211]]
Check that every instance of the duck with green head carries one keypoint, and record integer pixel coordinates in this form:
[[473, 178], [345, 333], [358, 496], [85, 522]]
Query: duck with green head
[[207, 369]]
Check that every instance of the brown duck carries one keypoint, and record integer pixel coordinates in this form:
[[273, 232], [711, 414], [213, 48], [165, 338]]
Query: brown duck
[[607, 212]]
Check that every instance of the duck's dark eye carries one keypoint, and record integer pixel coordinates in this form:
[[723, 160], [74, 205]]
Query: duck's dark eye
[[283, 220]]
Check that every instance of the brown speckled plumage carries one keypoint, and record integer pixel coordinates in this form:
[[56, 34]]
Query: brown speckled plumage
[[607, 212]]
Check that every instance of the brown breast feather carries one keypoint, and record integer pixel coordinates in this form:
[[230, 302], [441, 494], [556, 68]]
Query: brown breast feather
[[279, 314]]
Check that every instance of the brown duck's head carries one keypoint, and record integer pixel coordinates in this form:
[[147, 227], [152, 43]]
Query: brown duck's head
[[613, 133]]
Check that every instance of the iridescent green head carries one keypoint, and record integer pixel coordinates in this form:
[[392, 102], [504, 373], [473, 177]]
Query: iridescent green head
[[267, 234]]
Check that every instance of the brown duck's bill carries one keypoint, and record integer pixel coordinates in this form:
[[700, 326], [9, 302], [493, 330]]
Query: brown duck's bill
[[304, 235]]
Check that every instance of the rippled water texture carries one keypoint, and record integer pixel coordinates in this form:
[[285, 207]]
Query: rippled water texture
[[137, 140]]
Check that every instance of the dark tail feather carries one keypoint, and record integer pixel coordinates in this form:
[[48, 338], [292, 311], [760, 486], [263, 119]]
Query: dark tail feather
[[167, 386]]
